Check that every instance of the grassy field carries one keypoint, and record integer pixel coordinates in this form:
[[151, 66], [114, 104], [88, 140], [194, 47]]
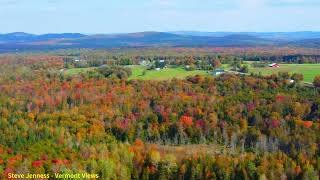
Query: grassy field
[[137, 73], [169, 73], [309, 71]]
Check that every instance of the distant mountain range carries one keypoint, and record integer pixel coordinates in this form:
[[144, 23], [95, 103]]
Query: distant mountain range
[[268, 35], [20, 37], [20, 41]]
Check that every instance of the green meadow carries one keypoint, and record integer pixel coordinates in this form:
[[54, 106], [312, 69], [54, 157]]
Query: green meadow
[[309, 71], [140, 72]]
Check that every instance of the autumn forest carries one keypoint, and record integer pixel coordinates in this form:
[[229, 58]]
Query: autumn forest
[[231, 126]]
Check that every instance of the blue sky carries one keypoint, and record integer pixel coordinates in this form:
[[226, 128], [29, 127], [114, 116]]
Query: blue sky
[[119, 16]]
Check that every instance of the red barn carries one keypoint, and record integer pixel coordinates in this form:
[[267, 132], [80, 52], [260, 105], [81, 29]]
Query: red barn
[[274, 65]]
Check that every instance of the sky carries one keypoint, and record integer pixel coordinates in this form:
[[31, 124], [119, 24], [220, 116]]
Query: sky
[[122, 16]]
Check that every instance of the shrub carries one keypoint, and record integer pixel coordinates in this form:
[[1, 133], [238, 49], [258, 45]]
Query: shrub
[[316, 81]]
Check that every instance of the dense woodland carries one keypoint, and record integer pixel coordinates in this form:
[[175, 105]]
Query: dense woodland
[[228, 127]]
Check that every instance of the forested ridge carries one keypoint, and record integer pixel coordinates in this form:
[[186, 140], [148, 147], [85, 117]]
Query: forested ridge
[[229, 127], [24, 42], [180, 55]]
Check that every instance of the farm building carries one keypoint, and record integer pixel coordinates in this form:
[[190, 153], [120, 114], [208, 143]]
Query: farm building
[[274, 65], [217, 72]]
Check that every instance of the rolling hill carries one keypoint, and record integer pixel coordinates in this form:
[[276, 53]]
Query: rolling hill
[[20, 41]]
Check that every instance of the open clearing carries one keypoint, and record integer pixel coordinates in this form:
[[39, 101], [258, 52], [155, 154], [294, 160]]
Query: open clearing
[[163, 74], [138, 73], [309, 71]]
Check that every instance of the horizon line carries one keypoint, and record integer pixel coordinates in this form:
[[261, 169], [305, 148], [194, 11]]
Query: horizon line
[[178, 31]]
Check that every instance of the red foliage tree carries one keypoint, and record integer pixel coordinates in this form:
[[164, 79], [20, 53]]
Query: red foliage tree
[[308, 124], [37, 163], [186, 121]]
